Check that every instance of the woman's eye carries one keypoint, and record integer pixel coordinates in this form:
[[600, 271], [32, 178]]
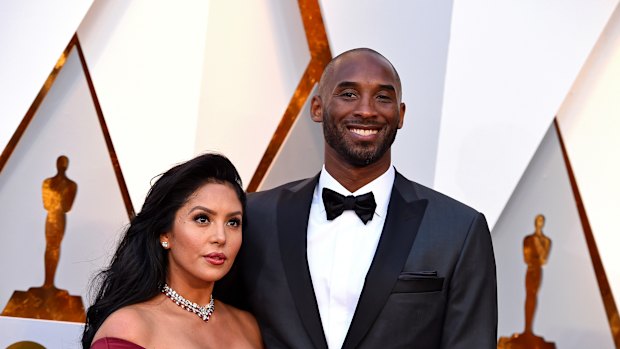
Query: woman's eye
[[235, 222], [202, 219]]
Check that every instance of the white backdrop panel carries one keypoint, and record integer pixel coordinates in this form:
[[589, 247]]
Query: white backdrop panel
[[511, 63], [33, 35], [590, 124], [65, 124], [50, 334], [414, 36], [146, 58], [255, 57], [570, 310], [301, 154]]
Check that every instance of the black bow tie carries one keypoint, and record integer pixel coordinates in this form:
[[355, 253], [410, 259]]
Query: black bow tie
[[363, 205]]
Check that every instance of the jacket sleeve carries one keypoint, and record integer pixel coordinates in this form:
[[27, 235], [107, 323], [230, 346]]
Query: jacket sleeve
[[471, 313]]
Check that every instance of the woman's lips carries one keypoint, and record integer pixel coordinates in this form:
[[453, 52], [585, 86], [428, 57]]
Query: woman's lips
[[216, 258]]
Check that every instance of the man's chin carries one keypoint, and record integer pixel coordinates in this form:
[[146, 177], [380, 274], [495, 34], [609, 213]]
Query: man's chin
[[361, 160], [357, 154]]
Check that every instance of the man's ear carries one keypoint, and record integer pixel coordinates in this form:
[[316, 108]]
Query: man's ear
[[401, 112], [316, 109]]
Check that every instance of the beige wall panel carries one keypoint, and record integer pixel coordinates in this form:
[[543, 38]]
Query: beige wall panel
[[33, 35], [510, 65], [66, 123], [570, 310], [590, 124], [255, 56]]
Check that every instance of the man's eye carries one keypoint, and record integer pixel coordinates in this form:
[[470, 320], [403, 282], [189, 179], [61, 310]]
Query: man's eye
[[384, 98], [348, 94], [202, 219]]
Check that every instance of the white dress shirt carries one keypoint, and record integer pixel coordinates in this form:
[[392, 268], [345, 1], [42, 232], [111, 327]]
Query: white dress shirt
[[340, 252]]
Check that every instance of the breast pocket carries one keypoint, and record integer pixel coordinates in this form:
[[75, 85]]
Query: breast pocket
[[417, 282]]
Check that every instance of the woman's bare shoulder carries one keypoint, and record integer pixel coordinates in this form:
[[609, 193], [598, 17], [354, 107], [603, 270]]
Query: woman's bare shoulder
[[132, 323], [247, 324]]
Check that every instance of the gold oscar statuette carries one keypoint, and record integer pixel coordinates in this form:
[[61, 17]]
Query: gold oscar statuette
[[536, 249], [47, 301], [25, 345]]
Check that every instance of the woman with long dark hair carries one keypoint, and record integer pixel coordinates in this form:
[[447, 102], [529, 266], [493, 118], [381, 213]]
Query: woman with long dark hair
[[156, 293]]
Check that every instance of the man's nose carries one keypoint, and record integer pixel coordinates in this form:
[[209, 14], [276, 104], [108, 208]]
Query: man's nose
[[366, 108]]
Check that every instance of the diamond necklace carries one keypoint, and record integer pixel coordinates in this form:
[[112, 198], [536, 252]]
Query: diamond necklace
[[202, 312]]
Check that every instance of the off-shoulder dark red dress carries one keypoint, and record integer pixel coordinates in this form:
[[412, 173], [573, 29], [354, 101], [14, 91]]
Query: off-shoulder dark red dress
[[114, 343]]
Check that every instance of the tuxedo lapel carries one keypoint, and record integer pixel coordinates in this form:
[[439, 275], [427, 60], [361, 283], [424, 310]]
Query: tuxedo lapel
[[405, 212], [293, 212]]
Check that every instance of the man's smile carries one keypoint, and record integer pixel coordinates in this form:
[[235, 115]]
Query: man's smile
[[363, 132]]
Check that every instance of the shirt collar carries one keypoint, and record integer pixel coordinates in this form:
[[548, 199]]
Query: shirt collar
[[381, 188]]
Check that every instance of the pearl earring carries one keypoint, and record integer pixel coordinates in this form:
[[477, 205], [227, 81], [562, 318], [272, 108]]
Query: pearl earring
[[164, 244]]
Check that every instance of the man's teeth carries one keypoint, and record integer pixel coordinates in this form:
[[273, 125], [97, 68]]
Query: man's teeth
[[364, 132]]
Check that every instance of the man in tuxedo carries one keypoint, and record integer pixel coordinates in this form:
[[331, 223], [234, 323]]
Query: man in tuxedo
[[358, 256]]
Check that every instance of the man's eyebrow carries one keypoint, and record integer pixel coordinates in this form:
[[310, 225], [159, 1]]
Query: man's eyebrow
[[388, 87], [346, 84]]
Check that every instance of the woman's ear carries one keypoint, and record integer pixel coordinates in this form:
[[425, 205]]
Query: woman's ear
[[164, 240]]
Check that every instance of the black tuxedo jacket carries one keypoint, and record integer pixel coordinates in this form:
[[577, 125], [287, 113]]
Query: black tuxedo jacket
[[431, 283]]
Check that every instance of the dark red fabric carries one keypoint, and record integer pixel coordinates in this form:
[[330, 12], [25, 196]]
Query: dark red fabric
[[114, 343]]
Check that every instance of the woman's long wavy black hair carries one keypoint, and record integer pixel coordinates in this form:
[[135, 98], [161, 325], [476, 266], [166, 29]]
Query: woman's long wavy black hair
[[139, 265]]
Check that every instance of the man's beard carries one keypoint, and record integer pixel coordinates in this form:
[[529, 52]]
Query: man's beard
[[358, 154]]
